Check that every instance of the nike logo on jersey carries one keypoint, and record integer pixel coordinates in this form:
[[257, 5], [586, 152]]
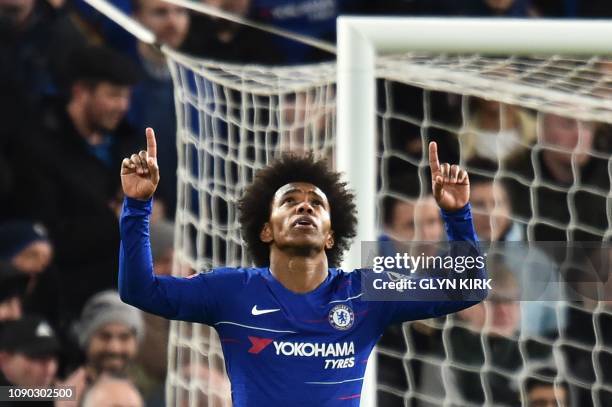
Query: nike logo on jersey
[[256, 311]]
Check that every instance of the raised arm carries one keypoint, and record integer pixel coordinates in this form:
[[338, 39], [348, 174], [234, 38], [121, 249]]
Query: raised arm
[[175, 298], [451, 189]]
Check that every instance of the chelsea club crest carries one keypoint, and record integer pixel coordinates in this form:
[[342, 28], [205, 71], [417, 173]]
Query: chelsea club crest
[[341, 317]]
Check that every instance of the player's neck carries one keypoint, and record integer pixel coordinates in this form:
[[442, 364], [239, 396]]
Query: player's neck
[[300, 274]]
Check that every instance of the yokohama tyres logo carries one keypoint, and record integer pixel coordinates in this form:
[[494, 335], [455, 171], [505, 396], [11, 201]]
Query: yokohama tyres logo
[[303, 349]]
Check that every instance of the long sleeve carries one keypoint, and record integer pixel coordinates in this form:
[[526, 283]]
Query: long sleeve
[[188, 299], [464, 242]]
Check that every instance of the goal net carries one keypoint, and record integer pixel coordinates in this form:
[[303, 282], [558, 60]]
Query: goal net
[[493, 115]]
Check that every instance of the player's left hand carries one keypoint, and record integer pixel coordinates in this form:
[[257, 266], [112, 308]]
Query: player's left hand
[[450, 183]]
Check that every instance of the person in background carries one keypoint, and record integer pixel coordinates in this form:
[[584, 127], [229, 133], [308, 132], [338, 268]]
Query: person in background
[[153, 97], [536, 272], [100, 29], [84, 132], [564, 159], [496, 130], [153, 353], [543, 390], [27, 247], [13, 284], [406, 221], [225, 41], [28, 355], [313, 18], [109, 334], [109, 391], [488, 330], [486, 8], [35, 39]]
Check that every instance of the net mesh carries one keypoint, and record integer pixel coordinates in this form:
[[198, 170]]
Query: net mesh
[[233, 119]]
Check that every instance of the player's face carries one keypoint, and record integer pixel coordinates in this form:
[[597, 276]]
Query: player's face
[[106, 105], [299, 219], [169, 23], [111, 348]]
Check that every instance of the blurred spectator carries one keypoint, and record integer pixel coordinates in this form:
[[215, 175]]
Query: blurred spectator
[[100, 29], [28, 355], [110, 391], [589, 327], [492, 8], [27, 247], [543, 390], [71, 163], [153, 98], [418, 220], [314, 18], [153, 353], [539, 182], [12, 287], [35, 40], [109, 333], [487, 333], [406, 221], [490, 202], [225, 41], [495, 130], [535, 272]]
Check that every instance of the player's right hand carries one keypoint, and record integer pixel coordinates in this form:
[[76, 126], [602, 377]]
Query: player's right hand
[[140, 173]]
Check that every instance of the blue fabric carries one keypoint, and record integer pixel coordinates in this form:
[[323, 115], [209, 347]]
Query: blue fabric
[[314, 18], [113, 34], [280, 348], [104, 150]]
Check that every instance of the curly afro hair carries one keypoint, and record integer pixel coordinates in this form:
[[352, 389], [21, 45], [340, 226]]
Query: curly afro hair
[[256, 204]]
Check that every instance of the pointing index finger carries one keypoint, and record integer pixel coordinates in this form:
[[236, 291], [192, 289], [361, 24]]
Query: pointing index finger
[[434, 163], [151, 143]]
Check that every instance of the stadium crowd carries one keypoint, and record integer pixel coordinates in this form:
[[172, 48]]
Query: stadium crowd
[[76, 92]]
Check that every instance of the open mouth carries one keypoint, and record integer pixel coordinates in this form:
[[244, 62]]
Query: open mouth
[[304, 222]]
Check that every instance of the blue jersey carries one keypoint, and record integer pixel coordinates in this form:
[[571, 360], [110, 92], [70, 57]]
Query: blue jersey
[[280, 348]]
